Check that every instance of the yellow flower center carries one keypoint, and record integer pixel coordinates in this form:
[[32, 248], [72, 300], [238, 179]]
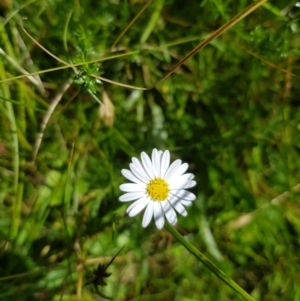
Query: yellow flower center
[[158, 189]]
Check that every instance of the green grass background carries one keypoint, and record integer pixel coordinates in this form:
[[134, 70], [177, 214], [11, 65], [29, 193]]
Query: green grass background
[[231, 112]]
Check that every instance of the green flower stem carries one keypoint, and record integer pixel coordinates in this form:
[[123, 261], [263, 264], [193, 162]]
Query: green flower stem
[[207, 262]]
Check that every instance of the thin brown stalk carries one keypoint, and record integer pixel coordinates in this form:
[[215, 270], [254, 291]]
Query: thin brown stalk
[[46, 118], [213, 36], [270, 63], [129, 25]]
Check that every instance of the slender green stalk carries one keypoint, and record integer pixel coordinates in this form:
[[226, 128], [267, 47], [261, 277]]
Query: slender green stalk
[[152, 22], [207, 262], [15, 218]]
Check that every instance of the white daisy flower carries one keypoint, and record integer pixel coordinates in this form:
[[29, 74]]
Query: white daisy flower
[[157, 186]]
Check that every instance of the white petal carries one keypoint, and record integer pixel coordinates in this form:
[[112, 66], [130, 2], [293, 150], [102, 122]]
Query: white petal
[[130, 176], [181, 170], [181, 179], [179, 208], [176, 198], [172, 169], [131, 196], [130, 187], [137, 206], [185, 195], [182, 196], [147, 165], [156, 163], [139, 165], [173, 199], [132, 206], [186, 203], [177, 185], [169, 213], [148, 215], [188, 176], [165, 162], [139, 172], [158, 215]]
